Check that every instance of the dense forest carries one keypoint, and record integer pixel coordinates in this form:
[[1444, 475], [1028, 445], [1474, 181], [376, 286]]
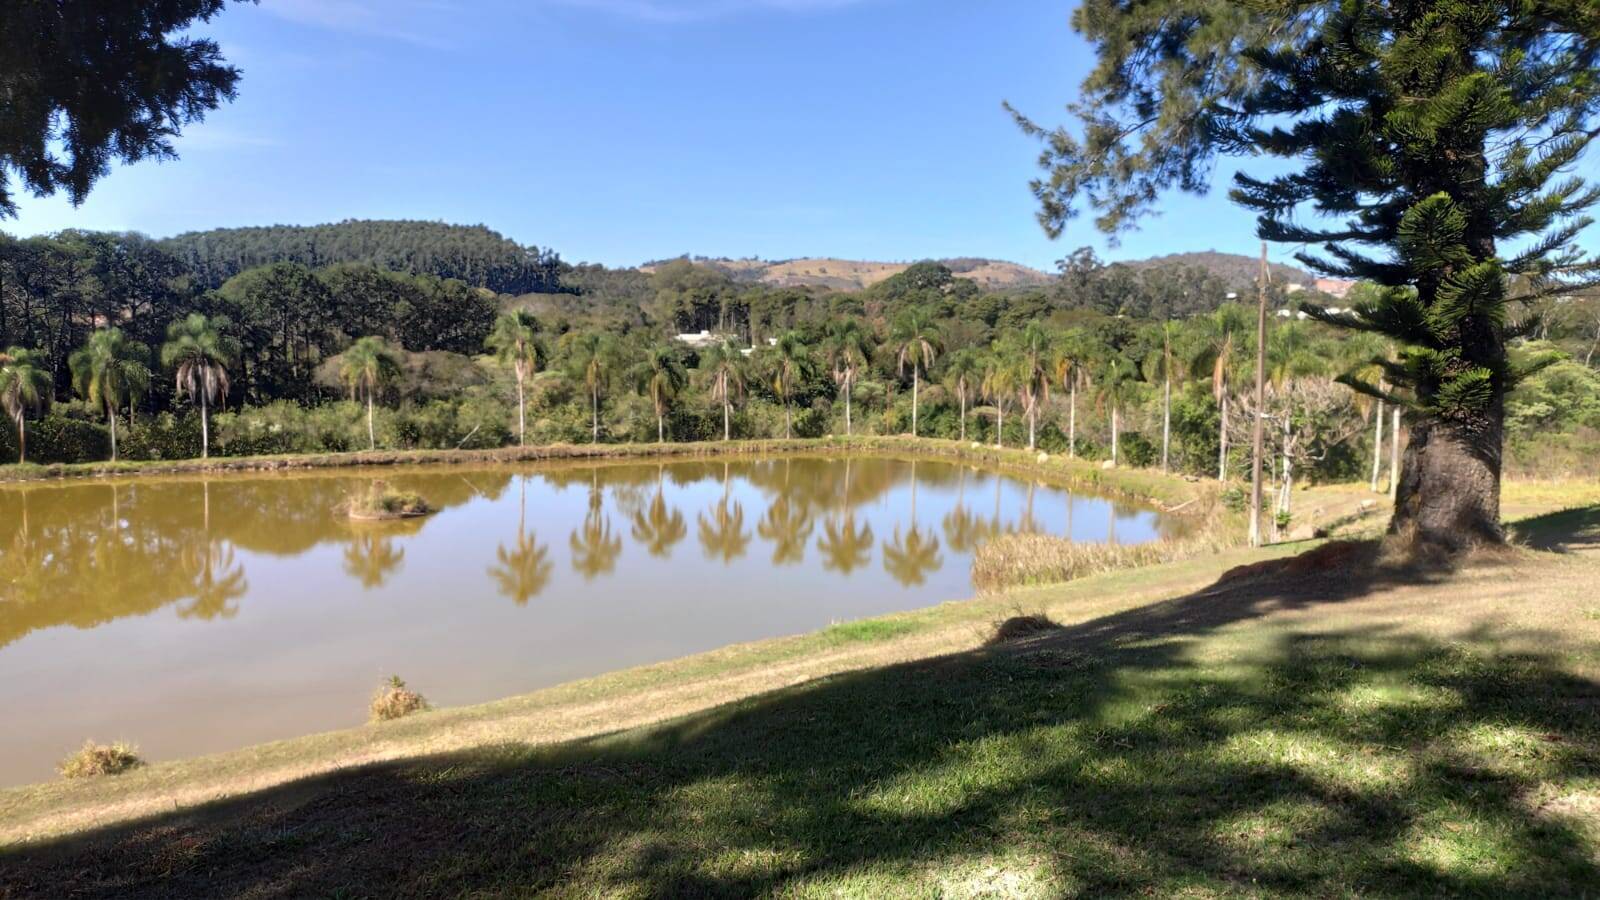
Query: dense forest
[[473, 254], [118, 342]]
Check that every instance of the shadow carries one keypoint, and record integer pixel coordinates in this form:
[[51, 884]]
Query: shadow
[[1559, 532], [1107, 758]]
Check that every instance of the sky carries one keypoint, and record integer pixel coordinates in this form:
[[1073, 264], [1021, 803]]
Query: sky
[[619, 131]]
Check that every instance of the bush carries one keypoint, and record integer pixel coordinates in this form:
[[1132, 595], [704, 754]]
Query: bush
[[94, 760], [58, 439], [396, 701], [380, 501]]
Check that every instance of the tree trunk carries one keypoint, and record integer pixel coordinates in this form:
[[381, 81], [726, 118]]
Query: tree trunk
[[1222, 434], [963, 415], [727, 431], [999, 426], [522, 415], [1377, 449], [1033, 414], [787, 421], [1114, 429], [1448, 494], [111, 413], [22, 439], [848, 430], [1394, 455], [916, 382], [205, 427], [594, 416], [1072, 422], [372, 436], [661, 428], [1166, 425]]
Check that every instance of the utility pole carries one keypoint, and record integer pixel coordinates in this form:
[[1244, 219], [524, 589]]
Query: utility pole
[[1261, 401]]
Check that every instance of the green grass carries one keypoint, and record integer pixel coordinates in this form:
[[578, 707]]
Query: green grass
[[867, 630]]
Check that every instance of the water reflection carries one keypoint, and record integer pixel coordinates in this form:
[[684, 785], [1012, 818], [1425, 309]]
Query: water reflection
[[160, 609]]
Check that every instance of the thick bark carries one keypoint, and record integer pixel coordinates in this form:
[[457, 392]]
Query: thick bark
[[1449, 490]]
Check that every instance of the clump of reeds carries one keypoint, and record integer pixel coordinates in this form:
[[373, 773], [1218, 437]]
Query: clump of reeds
[[1022, 559], [1020, 627], [380, 501], [94, 760], [396, 701]]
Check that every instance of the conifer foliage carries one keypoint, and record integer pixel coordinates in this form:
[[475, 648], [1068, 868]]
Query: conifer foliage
[[1434, 142]]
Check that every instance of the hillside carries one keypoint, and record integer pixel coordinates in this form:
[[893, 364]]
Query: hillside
[[854, 275], [1237, 269], [475, 254]]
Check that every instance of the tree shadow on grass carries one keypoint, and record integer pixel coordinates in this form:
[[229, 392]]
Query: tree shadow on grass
[[1153, 751], [1565, 531]]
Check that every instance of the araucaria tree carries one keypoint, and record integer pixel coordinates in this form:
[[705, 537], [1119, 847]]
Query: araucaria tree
[[24, 388], [1433, 138], [366, 368], [108, 371], [199, 351], [515, 343]]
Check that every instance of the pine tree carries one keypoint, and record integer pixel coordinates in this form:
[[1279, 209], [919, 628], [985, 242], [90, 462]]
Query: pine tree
[[1429, 136]]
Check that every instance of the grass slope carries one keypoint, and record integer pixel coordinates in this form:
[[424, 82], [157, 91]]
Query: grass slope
[[1295, 730]]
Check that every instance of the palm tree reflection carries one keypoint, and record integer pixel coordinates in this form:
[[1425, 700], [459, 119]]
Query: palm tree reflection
[[524, 568], [594, 548], [912, 557], [216, 580], [659, 527], [371, 557], [844, 547], [963, 529], [722, 536], [788, 526]]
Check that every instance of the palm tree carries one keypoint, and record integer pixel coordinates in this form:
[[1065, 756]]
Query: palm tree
[[999, 383], [1215, 360], [108, 370], [1068, 363], [24, 388], [366, 368], [1159, 364], [199, 351], [594, 547], [591, 356], [662, 378], [916, 341], [791, 364], [514, 341], [1033, 369], [1115, 381], [723, 367], [963, 373], [848, 349]]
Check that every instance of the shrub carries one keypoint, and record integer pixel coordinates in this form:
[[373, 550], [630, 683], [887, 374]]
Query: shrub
[[380, 501], [396, 701], [1021, 627], [94, 760]]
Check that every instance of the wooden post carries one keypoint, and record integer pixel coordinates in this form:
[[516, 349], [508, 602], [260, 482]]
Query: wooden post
[[1256, 437]]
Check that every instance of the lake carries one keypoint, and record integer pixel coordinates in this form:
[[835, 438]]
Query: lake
[[192, 615]]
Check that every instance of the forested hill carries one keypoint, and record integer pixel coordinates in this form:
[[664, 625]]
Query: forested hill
[[474, 254], [1236, 269]]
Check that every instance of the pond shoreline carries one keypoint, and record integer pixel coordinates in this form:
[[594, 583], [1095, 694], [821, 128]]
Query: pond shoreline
[[1173, 495]]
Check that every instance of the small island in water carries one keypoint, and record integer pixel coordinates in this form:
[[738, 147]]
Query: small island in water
[[382, 503]]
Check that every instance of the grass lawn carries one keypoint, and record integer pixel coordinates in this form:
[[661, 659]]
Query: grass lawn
[[1328, 726]]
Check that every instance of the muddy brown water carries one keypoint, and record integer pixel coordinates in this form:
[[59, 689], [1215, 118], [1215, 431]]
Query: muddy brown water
[[194, 615]]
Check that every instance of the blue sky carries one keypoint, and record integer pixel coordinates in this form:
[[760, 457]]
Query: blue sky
[[617, 131]]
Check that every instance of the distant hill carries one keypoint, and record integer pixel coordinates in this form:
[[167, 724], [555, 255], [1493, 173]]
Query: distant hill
[[1238, 270], [855, 275], [474, 254]]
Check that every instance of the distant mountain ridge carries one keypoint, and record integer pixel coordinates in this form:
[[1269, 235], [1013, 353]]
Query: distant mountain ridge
[[1234, 268], [854, 275]]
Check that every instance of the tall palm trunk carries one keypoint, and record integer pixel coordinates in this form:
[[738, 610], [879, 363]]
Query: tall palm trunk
[[916, 382], [661, 427], [372, 435], [1377, 449], [111, 413], [1222, 441], [963, 415], [1116, 424], [1033, 416], [205, 425], [847, 427], [594, 415], [1072, 421], [22, 438], [522, 414], [727, 429], [1166, 426], [1000, 425], [787, 422], [1394, 456]]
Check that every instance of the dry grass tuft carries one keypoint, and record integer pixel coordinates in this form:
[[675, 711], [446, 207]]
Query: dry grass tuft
[[1025, 559], [94, 760], [383, 502], [396, 701], [1022, 627]]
